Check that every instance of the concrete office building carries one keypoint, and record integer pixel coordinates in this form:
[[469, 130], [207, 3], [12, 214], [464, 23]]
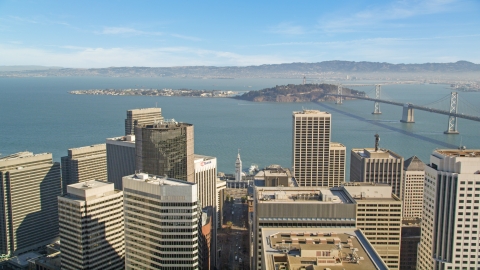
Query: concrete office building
[[84, 164], [161, 223], [145, 116], [379, 216], [375, 165], [165, 148], [297, 207], [412, 188], [28, 216], [310, 248], [450, 221], [274, 176], [206, 180], [312, 151], [91, 226], [120, 158]]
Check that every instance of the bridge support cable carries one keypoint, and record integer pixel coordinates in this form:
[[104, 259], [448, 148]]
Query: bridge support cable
[[452, 120], [407, 115], [376, 106], [339, 93]]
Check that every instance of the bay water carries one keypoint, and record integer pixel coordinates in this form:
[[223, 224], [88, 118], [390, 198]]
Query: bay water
[[39, 115]]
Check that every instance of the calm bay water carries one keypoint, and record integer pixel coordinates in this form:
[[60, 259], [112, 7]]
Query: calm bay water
[[38, 115]]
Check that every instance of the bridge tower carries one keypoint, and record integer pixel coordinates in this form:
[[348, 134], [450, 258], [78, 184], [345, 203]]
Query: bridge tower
[[376, 106], [339, 93], [452, 120]]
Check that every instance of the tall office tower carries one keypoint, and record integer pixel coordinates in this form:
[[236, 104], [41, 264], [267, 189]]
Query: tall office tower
[[311, 148], [206, 180], [120, 159], [165, 148], [375, 165], [412, 188], [336, 161], [30, 185], [146, 116], [409, 244], [84, 164], [238, 168], [379, 214], [91, 226], [161, 223], [450, 221]]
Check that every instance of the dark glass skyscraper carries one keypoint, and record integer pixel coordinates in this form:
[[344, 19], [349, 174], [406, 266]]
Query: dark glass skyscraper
[[165, 148]]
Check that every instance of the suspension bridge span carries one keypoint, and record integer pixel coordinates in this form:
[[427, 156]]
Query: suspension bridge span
[[408, 108]]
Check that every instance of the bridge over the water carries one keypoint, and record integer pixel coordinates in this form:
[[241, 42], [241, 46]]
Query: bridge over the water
[[408, 108]]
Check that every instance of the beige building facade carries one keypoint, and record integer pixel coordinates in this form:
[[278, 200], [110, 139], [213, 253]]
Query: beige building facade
[[91, 226], [145, 116], [379, 217], [412, 188], [84, 164], [312, 151], [28, 199], [372, 165]]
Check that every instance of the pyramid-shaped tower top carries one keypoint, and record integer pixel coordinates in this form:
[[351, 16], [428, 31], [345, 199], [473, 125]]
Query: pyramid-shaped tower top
[[414, 164]]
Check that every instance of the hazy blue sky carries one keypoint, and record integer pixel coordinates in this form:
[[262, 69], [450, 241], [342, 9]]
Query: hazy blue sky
[[224, 33]]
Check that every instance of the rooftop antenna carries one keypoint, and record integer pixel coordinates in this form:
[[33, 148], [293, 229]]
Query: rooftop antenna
[[377, 140]]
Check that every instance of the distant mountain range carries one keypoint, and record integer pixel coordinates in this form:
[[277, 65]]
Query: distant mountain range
[[274, 70]]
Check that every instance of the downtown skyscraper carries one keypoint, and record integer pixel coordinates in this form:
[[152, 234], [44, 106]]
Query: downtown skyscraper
[[312, 158]]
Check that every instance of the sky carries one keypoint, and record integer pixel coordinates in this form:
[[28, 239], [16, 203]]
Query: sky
[[97, 34]]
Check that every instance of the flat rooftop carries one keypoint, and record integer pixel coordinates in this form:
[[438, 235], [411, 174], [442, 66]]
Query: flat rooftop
[[126, 139], [459, 152], [101, 145], [305, 111], [158, 180], [318, 249], [199, 158], [166, 125], [311, 195], [21, 155], [371, 153], [370, 191]]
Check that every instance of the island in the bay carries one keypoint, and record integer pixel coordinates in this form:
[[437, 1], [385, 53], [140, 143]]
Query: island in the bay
[[279, 93], [156, 92], [297, 93]]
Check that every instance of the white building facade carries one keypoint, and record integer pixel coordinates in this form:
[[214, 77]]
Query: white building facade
[[91, 226], [450, 221], [161, 223]]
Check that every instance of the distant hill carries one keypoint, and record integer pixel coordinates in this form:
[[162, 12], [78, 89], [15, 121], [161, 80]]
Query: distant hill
[[23, 68], [296, 93], [291, 70]]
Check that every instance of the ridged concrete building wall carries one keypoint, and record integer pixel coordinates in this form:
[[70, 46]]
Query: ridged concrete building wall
[[450, 221], [377, 166], [29, 188], [91, 227], [337, 160], [145, 116], [120, 159], [84, 164], [161, 223], [311, 147], [379, 216], [412, 188]]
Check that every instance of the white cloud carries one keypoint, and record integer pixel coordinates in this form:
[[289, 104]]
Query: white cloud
[[154, 57], [186, 37], [287, 28], [126, 31], [372, 16]]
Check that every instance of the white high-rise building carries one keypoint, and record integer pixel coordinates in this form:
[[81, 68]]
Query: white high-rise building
[[412, 188], [161, 223], [91, 226], [450, 222], [311, 148], [238, 168]]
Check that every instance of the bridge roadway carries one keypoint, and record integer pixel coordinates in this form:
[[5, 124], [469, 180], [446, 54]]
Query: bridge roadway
[[410, 105]]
